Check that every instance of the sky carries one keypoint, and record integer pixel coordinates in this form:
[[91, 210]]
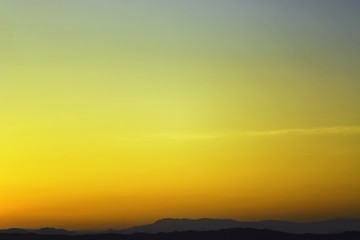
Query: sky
[[118, 113]]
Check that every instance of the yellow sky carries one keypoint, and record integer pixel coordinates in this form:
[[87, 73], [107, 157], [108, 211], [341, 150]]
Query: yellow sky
[[116, 113]]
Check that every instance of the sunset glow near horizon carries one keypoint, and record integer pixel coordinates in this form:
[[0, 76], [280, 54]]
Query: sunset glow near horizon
[[118, 113]]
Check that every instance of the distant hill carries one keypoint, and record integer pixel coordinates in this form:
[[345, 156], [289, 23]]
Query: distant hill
[[171, 225], [228, 234], [53, 231], [42, 231], [205, 224], [14, 230]]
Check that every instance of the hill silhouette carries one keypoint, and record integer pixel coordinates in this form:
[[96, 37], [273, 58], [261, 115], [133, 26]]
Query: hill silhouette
[[171, 225], [228, 234], [204, 224], [42, 231]]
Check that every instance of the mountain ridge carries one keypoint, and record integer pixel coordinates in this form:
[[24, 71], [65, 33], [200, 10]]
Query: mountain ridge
[[167, 225], [229, 234], [183, 224]]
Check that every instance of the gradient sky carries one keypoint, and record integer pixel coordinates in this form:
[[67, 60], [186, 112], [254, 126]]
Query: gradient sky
[[116, 113]]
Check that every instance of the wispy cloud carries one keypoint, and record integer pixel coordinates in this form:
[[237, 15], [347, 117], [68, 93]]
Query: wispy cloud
[[294, 131], [324, 130]]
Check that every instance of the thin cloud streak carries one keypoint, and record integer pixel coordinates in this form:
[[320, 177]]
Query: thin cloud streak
[[327, 130], [296, 131]]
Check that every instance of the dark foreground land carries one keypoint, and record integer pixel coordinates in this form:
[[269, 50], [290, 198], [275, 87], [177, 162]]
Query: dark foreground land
[[228, 234]]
